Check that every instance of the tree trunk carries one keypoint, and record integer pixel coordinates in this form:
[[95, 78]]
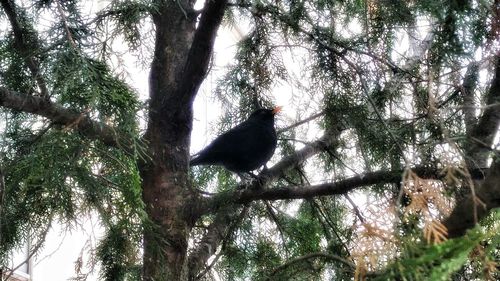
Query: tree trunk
[[181, 56], [168, 134]]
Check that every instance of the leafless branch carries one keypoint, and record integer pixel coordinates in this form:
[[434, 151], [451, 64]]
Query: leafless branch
[[32, 251], [355, 208], [308, 119], [329, 188], [218, 231], [65, 22]]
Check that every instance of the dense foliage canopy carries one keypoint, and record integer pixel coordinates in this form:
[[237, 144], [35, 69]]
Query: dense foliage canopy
[[387, 159]]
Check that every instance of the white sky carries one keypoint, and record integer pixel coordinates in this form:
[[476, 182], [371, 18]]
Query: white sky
[[62, 249], [56, 262]]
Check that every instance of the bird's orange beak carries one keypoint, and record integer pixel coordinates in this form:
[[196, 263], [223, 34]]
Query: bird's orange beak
[[277, 109]]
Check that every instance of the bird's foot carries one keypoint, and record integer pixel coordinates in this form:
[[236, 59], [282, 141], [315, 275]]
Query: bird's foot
[[246, 180], [257, 182], [250, 180]]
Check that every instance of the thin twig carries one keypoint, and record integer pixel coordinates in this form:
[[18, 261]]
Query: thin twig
[[356, 209], [66, 27], [374, 107], [308, 119], [330, 223], [224, 241], [281, 230], [33, 252]]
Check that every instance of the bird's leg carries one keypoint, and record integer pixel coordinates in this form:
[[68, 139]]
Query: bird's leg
[[250, 180], [252, 175], [245, 180], [258, 181]]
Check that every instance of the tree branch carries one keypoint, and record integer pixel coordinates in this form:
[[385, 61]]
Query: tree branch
[[459, 221], [484, 196], [226, 209], [293, 160], [63, 116], [220, 229], [487, 198], [326, 256], [243, 196], [467, 89], [201, 49], [26, 42], [333, 188], [266, 176], [303, 121], [486, 128], [355, 209]]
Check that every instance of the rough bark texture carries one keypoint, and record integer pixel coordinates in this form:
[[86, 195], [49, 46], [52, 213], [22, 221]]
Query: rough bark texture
[[480, 138], [477, 152], [181, 57], [468, 101], [488, 198]]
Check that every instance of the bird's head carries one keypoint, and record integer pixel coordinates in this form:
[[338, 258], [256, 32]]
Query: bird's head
[[265, 114]]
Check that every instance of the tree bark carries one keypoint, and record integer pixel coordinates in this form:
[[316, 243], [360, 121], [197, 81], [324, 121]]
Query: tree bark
[[480, 139], [488, 198], [181, 56]]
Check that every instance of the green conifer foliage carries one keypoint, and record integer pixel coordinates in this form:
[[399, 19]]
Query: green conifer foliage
[[387, 159]]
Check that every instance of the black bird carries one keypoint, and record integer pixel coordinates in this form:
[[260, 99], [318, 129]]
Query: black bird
[[245, 147]]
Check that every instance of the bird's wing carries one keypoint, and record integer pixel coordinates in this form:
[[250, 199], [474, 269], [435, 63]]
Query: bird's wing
[[229, 143], [235, 137]]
